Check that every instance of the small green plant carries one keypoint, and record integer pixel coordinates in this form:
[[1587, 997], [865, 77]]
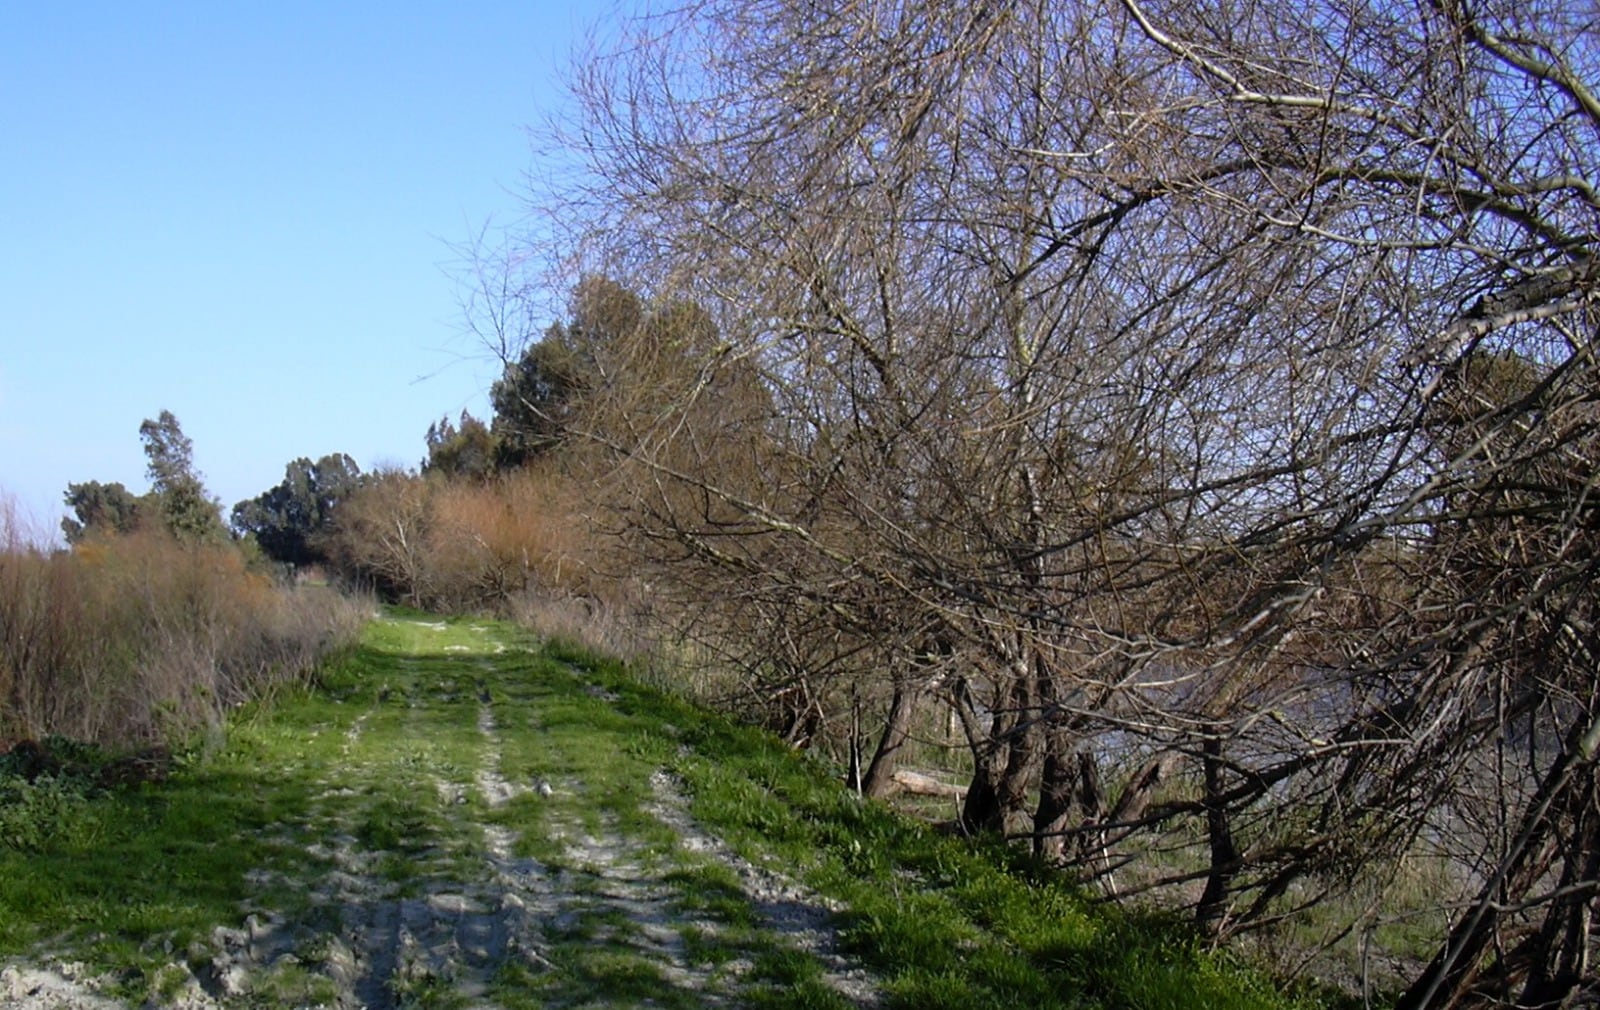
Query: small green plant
[[714, 891], [48, 813], [290, 983], [422, 989]]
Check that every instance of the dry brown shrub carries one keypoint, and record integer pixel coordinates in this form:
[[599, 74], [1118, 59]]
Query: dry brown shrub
[[457, 545], [491, 542], [614, 624], [136, 639], [378, 537]]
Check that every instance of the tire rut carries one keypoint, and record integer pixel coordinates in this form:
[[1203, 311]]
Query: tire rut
[[388, 925]]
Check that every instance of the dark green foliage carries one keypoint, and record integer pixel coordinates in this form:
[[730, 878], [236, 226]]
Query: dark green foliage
[[47, 813], [533, 396], [180, 496], [47, 788], [101, 508], [537, 397], [177, 499], [465, 449], [288, 519]]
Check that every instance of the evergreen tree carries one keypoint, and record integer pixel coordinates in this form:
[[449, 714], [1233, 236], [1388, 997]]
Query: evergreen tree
[[180, 495], [289, 519], [465, 449], [536, 399], [101, 508]]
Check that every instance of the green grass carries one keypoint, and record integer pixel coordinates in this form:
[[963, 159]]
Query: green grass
[[153, 869], [943, 922], [124, 879], [165, 864]]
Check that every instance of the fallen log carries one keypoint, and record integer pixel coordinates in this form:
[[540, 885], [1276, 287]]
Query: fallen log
[[919, 784]]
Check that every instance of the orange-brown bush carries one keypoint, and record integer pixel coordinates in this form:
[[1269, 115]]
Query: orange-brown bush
[[465, 545], [138, 638]]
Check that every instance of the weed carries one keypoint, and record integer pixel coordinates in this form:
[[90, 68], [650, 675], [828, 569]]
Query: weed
[[136, 639], [608, 976], [48, 813], [290, 983], [713, 890], [707, 948], [420, 989]]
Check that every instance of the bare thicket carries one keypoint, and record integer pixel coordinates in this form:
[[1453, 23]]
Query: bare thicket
[[131, 639], [464, 545], [1195, 401]]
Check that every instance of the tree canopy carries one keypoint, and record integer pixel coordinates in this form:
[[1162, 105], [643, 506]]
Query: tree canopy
[[288, 519], [103, 508], [178, 490], [176, 502], [465, 449]]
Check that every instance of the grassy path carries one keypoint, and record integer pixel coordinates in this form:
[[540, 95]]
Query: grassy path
[[456, 817]]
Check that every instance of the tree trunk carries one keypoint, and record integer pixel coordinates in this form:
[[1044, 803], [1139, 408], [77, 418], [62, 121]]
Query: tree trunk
[[854, 774], [1567, 936], [922, 784], [1210, 912], [879, 779], [1000, 782], [803, 726], [1012, 789], [1022, 743], [1003, 763], [980, 811], [1092, 801], [1058, 791], [1139, 791]]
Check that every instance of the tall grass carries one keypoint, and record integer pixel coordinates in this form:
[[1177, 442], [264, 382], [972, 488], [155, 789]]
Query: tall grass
[[137, 639]]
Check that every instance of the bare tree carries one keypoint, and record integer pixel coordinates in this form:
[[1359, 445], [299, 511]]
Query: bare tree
[[1121, 387]]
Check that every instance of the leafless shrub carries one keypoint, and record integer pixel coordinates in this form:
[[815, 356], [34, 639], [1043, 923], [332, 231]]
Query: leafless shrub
[[614, 624], [466, 545], [136, 639]]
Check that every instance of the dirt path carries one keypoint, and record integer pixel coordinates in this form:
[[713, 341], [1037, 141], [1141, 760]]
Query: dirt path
[[482, 832]]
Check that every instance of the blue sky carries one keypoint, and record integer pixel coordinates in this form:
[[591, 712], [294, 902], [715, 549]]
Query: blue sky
[[242, 213]]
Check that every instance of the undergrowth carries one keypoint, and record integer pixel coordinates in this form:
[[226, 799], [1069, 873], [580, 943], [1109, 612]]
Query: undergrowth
[[133, 639]]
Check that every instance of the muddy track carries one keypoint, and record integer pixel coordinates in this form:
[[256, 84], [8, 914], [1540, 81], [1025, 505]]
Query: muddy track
[[466, 917]]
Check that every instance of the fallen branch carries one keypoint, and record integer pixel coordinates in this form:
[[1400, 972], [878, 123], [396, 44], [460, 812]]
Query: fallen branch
[[925, 785]]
